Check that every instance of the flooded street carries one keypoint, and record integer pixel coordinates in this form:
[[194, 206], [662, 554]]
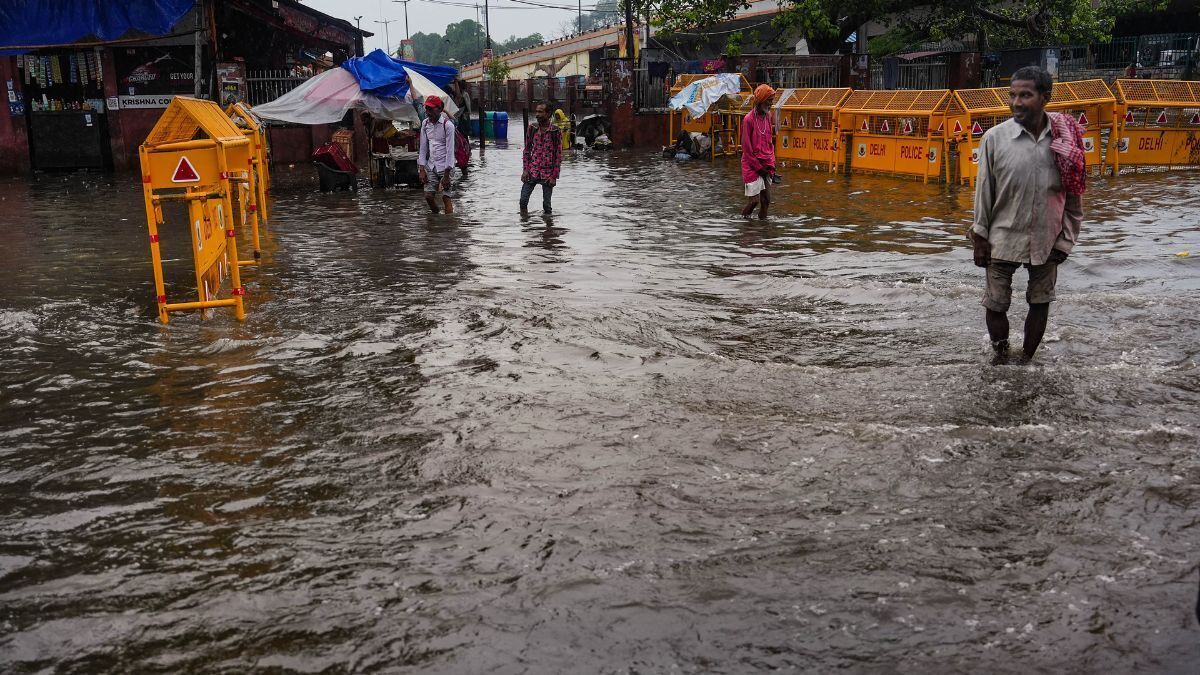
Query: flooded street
[[642, 435]]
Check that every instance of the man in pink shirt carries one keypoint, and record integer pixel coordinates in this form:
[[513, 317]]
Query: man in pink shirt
[[758, 153]]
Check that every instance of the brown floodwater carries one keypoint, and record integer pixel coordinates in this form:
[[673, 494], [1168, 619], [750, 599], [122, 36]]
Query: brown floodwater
[[640, 435]]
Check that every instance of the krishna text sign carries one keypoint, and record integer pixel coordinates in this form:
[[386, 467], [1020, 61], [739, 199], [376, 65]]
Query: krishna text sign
[[159, 101]]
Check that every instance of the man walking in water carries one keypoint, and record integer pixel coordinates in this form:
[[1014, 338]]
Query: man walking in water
[[542, 159], [435, 160], [758, 153], [1028, 205]]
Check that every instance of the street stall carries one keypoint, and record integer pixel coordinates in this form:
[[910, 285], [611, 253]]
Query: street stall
[[711, 106], [384, 88], [1158, 124], [899, 133], [806, 125], [973, 111]]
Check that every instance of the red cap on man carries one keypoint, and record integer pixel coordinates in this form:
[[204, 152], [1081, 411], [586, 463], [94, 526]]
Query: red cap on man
[[433, 101]]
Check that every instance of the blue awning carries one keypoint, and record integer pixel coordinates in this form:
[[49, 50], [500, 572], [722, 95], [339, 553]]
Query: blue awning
[[384, 76], [32, 23]]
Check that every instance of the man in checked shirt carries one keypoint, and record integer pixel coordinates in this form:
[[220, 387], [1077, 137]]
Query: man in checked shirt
[[1023, 214], [541, 160]]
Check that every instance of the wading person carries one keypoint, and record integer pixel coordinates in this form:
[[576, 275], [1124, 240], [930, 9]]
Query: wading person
[[1028, 206], [542, 159], [758, 153], [435, 159]]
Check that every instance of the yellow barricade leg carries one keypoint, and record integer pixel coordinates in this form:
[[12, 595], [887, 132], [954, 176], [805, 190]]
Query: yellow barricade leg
[[153, 219], [239, 291]]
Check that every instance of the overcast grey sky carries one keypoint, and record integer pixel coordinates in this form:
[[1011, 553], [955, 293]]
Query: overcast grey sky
[[432, 16]]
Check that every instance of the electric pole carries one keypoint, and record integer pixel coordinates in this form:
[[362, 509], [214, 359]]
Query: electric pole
[[405, 3], [386, 37]]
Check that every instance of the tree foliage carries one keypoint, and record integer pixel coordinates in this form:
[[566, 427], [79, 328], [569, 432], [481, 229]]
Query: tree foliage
[[826, 24], [463, 43]]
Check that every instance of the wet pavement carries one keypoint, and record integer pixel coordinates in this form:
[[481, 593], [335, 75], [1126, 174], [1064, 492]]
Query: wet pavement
[[641, 435]]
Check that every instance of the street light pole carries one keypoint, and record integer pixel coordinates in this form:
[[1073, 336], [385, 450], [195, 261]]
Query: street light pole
[[405, 3], [487, 25], [387, 39]]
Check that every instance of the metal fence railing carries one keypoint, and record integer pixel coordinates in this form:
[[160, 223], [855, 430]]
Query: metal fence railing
[[267, 85], [927, 72], [1163, 56], [651, 90]]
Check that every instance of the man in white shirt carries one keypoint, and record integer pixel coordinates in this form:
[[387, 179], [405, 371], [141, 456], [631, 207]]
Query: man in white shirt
[[435, 160]]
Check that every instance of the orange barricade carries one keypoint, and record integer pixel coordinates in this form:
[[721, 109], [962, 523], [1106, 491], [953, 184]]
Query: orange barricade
[[1158, 124], [250, 187], [895, 132], [974, 111], [191, 156], [807, 132]]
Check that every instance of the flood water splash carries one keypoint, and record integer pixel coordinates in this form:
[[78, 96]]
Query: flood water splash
[[639, 435]]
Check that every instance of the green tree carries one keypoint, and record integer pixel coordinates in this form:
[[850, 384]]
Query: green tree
[[513, 43], [827, 23], [497, 70]]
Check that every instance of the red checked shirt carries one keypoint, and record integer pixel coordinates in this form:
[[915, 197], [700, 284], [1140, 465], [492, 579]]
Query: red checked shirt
[[543, 152]]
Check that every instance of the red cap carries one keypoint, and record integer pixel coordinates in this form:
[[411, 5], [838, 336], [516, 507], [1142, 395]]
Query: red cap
[[433, 101]]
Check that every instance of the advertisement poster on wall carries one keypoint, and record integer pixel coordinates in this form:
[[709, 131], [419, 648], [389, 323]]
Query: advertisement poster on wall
[[149, 77]]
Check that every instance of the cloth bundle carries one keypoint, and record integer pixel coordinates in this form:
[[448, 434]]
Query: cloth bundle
[[1068, 152]]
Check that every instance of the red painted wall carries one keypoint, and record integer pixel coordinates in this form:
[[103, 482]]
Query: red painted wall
[[14, 137]]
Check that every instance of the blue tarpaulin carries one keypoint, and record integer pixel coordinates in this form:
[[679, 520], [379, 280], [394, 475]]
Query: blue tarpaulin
[[384, 76], [31, 23]]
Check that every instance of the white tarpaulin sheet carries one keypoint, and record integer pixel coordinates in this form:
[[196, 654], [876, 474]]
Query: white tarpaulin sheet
[[325, 98], [700, 95]]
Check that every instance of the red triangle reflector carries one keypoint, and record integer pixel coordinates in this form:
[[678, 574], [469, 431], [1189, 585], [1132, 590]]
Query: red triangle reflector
[[817, 123], [1162, 118], [865, 126], [957, 127], [185, 172], [1083, 119], [1129, 117], [976, 128], [886, 128]]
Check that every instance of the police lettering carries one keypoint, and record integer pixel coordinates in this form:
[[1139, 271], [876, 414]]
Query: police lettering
[[912, 152], [820, 143]]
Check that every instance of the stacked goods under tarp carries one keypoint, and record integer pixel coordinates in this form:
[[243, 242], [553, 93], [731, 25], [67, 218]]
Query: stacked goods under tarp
[[383, 86]]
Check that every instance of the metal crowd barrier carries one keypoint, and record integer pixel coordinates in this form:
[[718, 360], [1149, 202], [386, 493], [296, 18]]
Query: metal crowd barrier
[[807, 127], [895, 132], [1158, 124]]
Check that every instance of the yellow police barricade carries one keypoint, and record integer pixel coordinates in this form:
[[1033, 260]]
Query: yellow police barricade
[[900, 133], [243, 116], [247, 193], [188, 157], [722, 122], [974, 111], [807, 131], [1158, 124]]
